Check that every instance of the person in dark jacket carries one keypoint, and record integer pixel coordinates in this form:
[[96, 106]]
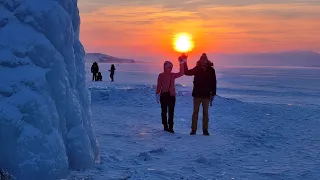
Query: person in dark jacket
[[94, 71], [204, 91], [112, 69]]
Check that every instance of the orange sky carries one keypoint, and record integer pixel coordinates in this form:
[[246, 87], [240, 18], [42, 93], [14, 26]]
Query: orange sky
[[145, 28]]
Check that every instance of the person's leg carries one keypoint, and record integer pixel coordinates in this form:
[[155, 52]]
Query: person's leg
[[164, 109], [171, 104], [111, 76], [196, 107], [205, 120], [92, 76]]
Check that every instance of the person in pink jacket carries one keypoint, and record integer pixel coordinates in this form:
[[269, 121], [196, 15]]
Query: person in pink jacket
[[166, 93]]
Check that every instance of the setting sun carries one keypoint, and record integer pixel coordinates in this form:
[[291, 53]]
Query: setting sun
[[182, 42]]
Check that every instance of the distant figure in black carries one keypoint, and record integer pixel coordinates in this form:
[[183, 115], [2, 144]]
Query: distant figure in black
[[99, 77], [94, 71], [112, 72]]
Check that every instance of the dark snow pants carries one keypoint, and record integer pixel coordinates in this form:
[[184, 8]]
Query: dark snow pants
[[112, 76], [167, 107], [94, 76]]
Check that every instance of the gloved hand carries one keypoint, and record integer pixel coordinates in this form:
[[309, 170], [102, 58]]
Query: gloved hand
[[183, 58], [158, 98], [180, 60]]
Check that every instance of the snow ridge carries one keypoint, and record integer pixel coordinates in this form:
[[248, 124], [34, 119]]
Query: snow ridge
[[45, 125]]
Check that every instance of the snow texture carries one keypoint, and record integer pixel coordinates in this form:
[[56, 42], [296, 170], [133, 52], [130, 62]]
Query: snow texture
[[45, 125], [264, 125]]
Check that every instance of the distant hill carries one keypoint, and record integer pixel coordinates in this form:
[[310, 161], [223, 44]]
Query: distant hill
[[103, 58], [288, 58]]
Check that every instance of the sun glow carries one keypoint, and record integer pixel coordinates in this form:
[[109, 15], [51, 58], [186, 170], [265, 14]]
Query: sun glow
[[182, 42]]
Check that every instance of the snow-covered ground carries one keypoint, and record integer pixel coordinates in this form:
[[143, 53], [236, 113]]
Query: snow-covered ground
[[264, 125]]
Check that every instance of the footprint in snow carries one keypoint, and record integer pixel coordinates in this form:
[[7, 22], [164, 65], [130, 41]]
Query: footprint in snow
[[203, 160], [144, 156], [157, 151]]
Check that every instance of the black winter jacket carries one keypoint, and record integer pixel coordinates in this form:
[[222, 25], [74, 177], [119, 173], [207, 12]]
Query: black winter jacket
[[205, 81], [94, 68]]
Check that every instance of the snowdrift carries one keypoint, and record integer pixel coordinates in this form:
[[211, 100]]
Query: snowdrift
[[45, 125]]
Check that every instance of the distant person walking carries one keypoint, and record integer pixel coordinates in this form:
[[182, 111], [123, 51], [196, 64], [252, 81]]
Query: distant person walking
[[166, 93], [94, 71], [204, 91], [112, 70]]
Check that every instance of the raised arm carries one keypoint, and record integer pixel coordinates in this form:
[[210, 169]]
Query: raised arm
[[190, 72], [181, 72]]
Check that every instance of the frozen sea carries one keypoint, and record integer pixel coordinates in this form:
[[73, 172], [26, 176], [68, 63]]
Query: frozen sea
[[264, 124]]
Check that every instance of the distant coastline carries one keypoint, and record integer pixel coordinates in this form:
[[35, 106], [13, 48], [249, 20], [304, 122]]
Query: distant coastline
[[272, 59], [287, 58], [103, 58]]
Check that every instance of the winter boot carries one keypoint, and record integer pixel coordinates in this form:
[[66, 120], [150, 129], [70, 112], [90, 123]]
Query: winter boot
[[171, 128], [193, 132], [165, 127], [206, 133]]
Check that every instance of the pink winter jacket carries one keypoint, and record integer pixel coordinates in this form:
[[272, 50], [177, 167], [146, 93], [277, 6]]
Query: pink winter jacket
[[164, 81]]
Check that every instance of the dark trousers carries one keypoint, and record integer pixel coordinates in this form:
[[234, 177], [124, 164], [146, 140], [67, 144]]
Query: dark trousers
[[167, 107], [111, 76], [94, 76]]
